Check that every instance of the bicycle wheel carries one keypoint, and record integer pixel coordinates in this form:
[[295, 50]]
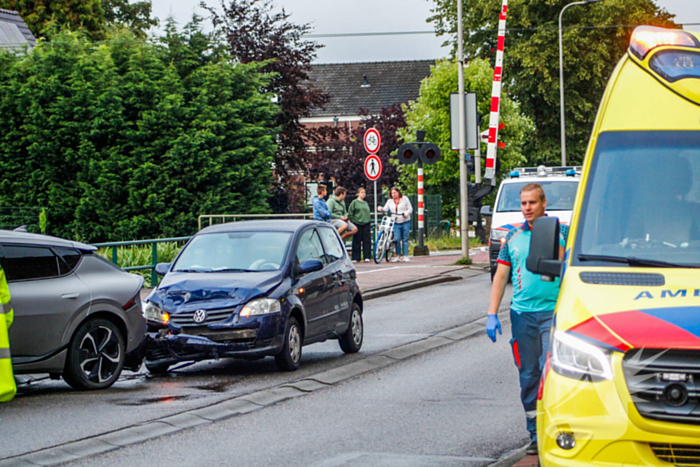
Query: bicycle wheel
[[379, 248], [390, 247]]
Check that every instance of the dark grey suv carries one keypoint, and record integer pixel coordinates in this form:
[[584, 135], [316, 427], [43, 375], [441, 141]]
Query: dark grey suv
[[75, 313]]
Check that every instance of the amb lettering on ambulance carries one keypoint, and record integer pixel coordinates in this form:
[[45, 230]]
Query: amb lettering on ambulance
[[621, 384]]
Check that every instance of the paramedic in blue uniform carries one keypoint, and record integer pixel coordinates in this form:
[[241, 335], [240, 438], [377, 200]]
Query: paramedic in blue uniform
[[532, 305]]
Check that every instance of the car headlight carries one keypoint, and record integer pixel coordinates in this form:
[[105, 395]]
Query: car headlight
[[576, 358], [260, 306], [154, 313], [498, 235]]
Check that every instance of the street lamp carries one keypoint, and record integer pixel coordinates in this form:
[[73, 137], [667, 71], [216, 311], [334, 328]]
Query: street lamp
[[561, 80]]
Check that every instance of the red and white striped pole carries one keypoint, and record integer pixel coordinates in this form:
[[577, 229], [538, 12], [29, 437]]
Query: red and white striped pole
[[421, 206], [496, 99]]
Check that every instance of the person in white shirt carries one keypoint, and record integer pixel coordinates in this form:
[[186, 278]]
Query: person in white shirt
[[400, 205]]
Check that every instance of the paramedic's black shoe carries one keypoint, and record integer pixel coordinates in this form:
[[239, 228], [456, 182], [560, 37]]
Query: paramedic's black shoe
[[532, 449]]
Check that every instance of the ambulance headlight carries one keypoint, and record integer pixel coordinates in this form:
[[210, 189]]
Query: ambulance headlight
[[576, 358], [498, 235]]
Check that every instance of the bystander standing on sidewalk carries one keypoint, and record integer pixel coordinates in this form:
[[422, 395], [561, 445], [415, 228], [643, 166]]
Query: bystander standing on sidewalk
[[339, 214], [532, 306], [399, 204], [321, 211], [359, 214]]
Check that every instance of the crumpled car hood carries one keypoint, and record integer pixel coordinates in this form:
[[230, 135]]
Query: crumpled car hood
[[192, 291]]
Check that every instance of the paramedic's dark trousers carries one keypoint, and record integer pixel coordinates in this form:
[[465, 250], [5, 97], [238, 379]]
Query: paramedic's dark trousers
[[530, 344]]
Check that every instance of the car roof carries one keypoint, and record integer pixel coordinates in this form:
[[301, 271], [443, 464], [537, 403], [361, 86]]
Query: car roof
[[11, 236], [272, 225]]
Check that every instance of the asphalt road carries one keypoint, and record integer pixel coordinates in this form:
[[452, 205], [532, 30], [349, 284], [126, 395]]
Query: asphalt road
[[455, 406], [49, 413]]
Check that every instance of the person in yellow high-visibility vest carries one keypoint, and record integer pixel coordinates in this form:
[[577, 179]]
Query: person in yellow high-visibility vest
[[7, 380]]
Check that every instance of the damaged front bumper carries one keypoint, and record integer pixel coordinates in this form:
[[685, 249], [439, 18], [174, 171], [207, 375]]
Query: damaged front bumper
[[167, 347]]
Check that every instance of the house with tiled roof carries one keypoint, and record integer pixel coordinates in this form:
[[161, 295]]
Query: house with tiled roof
[[14, 33], [364, 85]]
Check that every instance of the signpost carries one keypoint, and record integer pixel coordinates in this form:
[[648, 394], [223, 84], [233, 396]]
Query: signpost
[[372, 141], [373, 164]]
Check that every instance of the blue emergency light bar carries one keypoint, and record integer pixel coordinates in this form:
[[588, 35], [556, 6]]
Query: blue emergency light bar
[[514, 174]]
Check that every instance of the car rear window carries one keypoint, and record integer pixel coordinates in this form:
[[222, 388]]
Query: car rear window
[[70, 257], [29, 262]]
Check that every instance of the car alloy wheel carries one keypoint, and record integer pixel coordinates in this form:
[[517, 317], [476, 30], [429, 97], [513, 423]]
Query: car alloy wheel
[[100, 354], [294, 343], [356, 327], [351, 341], [289, 357], [96, 355]]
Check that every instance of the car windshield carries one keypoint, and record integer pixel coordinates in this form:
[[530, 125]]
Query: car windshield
[[642, 201], [234, 252], [560, 195]]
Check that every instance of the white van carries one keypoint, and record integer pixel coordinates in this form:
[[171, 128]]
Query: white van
[[560, 185]]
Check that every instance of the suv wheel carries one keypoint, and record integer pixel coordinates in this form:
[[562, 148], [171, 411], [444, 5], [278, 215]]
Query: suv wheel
[[96, 355], [290, 356], [351, 341]]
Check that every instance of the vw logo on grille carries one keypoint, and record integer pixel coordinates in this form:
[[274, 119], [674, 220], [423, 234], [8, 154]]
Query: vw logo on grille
[[199, 316]]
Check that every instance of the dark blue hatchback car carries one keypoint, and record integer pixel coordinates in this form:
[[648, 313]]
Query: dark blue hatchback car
[[254, 289]]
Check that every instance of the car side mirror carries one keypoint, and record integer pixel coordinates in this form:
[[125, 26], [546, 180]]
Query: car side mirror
[[310, 265], [162, 268], [486, 211], [544, 249]]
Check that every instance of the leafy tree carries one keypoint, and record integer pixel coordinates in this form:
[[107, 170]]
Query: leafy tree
[[91, 16], [431, 112], [134, 16], [256, 34], [595, 38], [87, 15], [340, 154], [123, 140]]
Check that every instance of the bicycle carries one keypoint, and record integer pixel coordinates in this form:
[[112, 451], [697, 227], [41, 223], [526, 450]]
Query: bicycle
[[385, 246]]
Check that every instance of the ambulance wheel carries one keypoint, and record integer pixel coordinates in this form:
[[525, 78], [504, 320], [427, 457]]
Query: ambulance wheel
[[96, 355]]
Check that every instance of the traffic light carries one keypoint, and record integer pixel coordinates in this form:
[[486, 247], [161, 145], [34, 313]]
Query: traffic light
[[429, 153], [408, 153]]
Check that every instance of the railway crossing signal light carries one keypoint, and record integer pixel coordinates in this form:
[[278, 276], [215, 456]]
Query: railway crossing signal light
[[430, 153], [408, 153]]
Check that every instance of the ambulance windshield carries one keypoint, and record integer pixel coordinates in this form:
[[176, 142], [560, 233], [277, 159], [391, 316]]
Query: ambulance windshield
[[642, 198], [560, 195]]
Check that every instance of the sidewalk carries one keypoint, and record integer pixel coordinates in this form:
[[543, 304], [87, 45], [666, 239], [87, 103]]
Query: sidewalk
[[374, 277]]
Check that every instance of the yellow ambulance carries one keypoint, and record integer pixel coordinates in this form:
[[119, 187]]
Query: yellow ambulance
[[621, 385]]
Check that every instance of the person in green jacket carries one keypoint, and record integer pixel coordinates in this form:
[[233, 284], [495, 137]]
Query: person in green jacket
[[339, 214], [359, 214], [8, 388]]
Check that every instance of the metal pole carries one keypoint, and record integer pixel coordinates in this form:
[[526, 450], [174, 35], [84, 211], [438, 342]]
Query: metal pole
[[477, 162], [421, 206], [561, 81], [463, 190], [376, 226]]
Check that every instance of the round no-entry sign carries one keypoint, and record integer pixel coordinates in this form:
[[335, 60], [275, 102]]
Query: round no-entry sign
[[373, 167], [372, 140]]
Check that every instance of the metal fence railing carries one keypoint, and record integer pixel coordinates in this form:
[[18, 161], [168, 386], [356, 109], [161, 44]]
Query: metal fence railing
[[115, 246], [238, 217], [35, 218]]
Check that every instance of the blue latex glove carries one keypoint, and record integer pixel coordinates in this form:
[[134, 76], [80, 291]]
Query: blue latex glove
[[492, 325]]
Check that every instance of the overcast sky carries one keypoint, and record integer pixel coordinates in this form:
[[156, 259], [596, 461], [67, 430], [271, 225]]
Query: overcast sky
[[363, 16]]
